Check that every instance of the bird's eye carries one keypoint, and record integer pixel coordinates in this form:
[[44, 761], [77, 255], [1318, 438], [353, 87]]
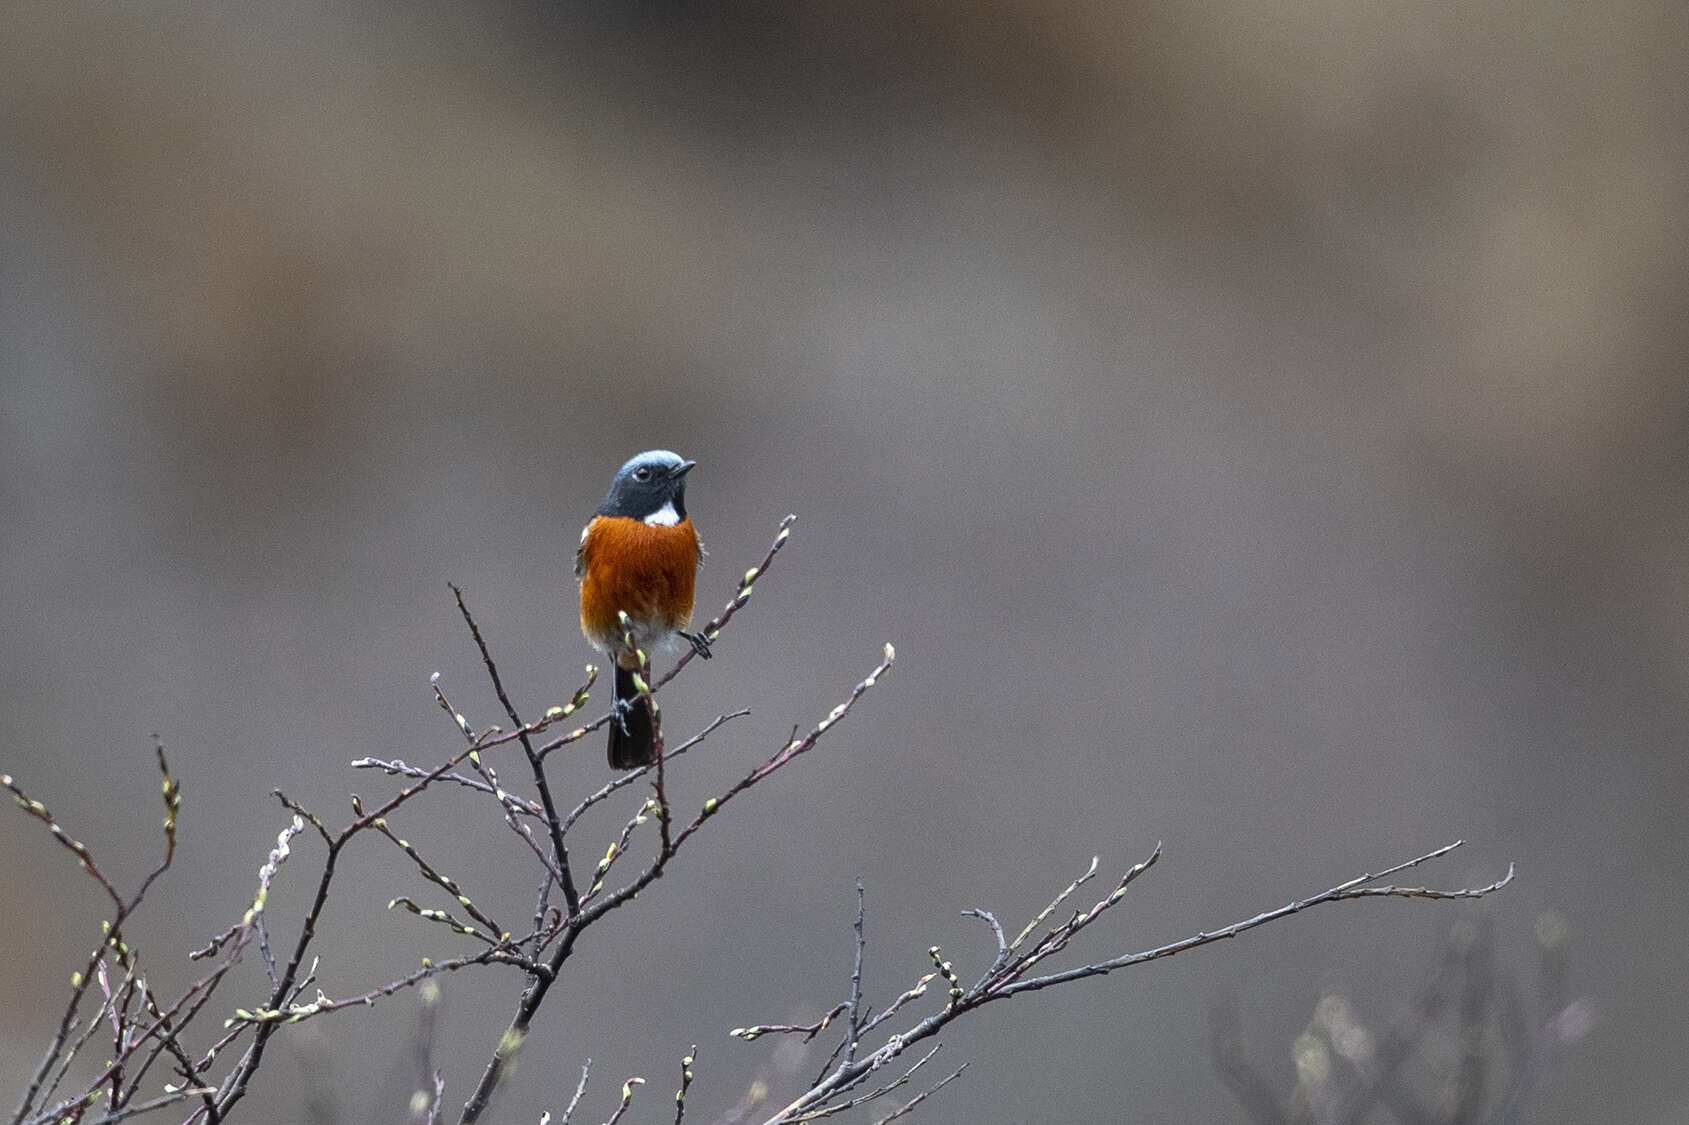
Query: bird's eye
[[642, 474]]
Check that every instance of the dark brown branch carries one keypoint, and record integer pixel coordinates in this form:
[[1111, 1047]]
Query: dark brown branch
[[234, 1086], [542, 785], [444, 882]]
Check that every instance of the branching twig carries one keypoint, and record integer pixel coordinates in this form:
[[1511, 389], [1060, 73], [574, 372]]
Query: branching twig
[[1008, 975], [514, 807], [621, 781], [542, 785], [113, 939], [908, 1106], [511, 1042], [294, 1013]]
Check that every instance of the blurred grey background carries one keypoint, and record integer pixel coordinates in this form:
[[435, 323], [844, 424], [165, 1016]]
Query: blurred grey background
[[1260, 427]]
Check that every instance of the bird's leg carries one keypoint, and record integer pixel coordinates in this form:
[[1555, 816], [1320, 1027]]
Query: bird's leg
[[625, 658], [619, 713], [700, 643]]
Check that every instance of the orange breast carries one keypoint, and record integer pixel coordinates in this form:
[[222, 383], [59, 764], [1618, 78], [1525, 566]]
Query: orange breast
[[645, 571]]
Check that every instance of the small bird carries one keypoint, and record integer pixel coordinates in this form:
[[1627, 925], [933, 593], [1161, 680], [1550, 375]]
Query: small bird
[[639, 555]]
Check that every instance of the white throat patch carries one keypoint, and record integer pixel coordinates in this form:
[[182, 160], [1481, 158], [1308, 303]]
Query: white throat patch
[[665, 516]]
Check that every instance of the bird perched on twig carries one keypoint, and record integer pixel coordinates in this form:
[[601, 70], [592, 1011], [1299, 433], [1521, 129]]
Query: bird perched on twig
[[639, 555]]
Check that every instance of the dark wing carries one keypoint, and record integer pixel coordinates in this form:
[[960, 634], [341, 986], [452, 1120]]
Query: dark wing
[[580, 551]]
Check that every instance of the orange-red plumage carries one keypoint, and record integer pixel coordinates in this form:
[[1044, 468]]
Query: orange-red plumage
[[636, 562], [644, 570]]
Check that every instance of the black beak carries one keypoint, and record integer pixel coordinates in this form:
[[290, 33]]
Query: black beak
[[682, 469]]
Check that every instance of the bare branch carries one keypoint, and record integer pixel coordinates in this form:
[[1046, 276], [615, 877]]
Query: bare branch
[[1339, 893], [853, 1026], [627, 1099], [1010, 979], [808, 1030], [293, 1013], [113, 939], [794, 748], [398, 767], [874, 1095], [909, 1105], [40, 812], [433, 1117], [686, 1076], [542, 785], [625, 779], [445, 882], [719, 622], [580, 1088]]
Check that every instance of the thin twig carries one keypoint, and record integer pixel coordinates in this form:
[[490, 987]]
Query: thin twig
[[294, 1013], [686, 1076], [874, 1095], [909, 1105], [736, 603], [627, 1099], [580, 1088], [398, 767], [1348, 890], [514, 807], [807, 1030], [433, 1117], [853, 1026], [559, 852], [628, 778]]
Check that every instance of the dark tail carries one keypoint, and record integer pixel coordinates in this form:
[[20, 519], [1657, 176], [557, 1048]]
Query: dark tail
[[631, 743]]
